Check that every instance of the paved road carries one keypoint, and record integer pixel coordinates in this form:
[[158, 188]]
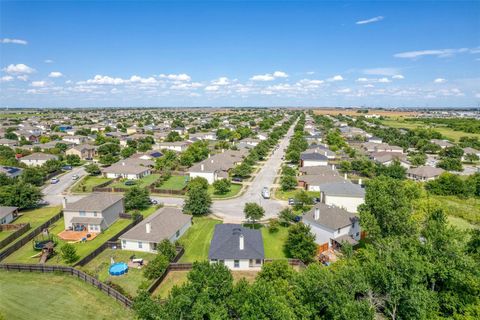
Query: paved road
[[232, 210], [54, 192]]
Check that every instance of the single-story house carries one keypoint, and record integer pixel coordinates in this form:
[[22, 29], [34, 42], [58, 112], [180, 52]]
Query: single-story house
[[165, 223], [217, 166], [469, 150], [8, 142], [178, 146], [8, 214], [126, 170], [94, 213], [37, 159], [310, 159], [442, 143], [387, 158], [332, 225], [313, 182], [424, 173], [342, 194], [237, 247]]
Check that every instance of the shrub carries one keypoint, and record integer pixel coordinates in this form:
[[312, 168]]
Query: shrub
[[69, 253], [156, 267]]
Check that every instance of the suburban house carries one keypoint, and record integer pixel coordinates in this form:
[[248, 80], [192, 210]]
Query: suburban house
[[11, 172], [322, 149], [8, 142], [470, 150], [312, 182], [381, 147], [387, 158], [8, 214], [37, 159], [94, 213], [126, 170], [313, 170], [310, 159], [84, 151], [424, 173], [332, 225], [217, 166], [375, 140], [148, 155], [442, 143], [237, 247], [165, 223], [342, 194], [178, 146], [75, 139]]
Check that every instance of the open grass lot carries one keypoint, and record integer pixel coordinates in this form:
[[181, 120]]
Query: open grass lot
[[466, 209], [447, 132], [197, 239], [284, 195], [88, 183], [273, 243], [353, 112], [174, 183], [234, 190], [130, 281], [35, 217], [24, 254], [461, 223], [141, 183], [50, 296]]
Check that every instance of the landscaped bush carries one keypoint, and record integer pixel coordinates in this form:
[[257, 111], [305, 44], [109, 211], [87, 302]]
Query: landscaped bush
[[156, 267]]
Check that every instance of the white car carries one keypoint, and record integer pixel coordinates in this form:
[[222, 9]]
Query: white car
[[265, 193], [54, 180], [75, 177]]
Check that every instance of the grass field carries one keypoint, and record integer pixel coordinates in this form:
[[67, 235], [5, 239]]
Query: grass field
[[88, 183], [25, 253], [273, 243], [130, 281], [197, 239], [141, 183], [234, 190], [174, 183], [5, 234], [28, 296], [461, 223], [466, 209], [447, 132], [353, 112]]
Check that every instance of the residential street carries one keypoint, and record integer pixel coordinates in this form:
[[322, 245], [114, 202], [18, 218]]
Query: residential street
[[54, 192]]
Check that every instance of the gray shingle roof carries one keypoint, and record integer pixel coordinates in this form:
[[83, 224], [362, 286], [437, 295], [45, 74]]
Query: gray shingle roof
[[330, 216], [94, 202], [313, 156], [165, 222], [343, 188], [425, 171], [5, 211], [226, 243]]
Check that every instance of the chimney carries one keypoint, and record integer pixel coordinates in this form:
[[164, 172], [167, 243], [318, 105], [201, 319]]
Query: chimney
[[325, 153], [211, 161], [316, 151], [321, 197], [333, 167], [241, 244], [148, 227], [316, 215], [345, 176], [223, 150], [64, 202], [360, 181], [202, 167], [123, 163]]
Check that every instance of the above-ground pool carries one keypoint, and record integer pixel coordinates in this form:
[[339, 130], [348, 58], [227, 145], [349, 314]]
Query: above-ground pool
[[117, 269]]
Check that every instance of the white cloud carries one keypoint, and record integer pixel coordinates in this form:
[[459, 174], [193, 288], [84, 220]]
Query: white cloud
[[176, 77], [398, 77], [55, 74], [211, 88], [362, 80], [38, 84], [310, 72], [345, 90], [18, 69], [371, 20], [384, 80], [439, 80], [222, 81], [13, 41], [262, 77], [138, 79], [23, 77], [440, 53], [6, 78], [336, 78], [381, 71], [99, 79], [48, 61], [280, 74]]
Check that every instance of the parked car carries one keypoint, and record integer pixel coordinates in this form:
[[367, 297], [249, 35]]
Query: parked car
[[43, 203], [237, 179], [54, 180], [297, 219], [67, 167], [153, 201], [129, 183], [292, 201], [75, 177], [265, 193]]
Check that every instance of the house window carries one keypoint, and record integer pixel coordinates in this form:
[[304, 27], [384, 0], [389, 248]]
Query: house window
[[236, 263], [258, 261], [177, 234], [140, 245], [124, 243], [213, 260], [338, 230], [94, 213], [357, 234], [82, 213]]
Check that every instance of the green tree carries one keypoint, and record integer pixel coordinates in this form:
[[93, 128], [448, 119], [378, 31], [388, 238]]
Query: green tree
[[450, 164], [127, 152], [173, 136], [156, 267], [20, 194], [73, 159], [300, 243], [69, 253], [92, 169], [197, 200], [288, 183], [222, 186], [166, 248], [137, 199], [33, 176], [253, 212]]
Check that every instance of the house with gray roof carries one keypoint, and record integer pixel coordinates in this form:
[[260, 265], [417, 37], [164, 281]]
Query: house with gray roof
[[343, 194], [237, 247], [424, 173], [37, 159], [128, 169], [165, 223], [332, 226], [94, 213], [8, 214], [313, 158]]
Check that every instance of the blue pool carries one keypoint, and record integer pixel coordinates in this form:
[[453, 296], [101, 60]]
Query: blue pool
[[117, 269]]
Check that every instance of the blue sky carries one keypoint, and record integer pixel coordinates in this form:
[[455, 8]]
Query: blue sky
[[239, 53]]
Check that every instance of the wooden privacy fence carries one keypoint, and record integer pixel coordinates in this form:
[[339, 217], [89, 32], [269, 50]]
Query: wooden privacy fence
[[167, 191], [110, 243], [23, 227], [171, 266], [17, 245], [71, 271]]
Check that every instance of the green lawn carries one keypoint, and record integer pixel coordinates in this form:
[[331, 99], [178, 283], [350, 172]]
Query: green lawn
[[24, 254], [273, 243], [35, 217], [88, 183], [461, 223], [130, 281], [174, 183], [142, 183], [4, 234], [234, 190], [466, 209], [150, 210], [284, 195], [51, 296], [197, 239]]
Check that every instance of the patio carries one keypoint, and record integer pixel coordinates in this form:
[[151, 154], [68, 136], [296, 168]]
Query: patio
[[76, 236]]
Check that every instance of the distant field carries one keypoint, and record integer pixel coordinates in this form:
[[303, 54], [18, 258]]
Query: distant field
[[15, 115], [26, 296], [353, 112], [466, 209], [447, 132]]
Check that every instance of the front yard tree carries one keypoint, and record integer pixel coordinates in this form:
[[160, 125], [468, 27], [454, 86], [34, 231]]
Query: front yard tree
[[69, 253], [300, 243], [288, 183], [243, 170], [137, 199], [92, 169], [73, 159], [253, 212], [21, 194], [197, 201], [222, 186]]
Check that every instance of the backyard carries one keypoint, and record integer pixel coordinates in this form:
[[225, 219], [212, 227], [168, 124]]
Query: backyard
[[273, 242], [88, 183], [55, 297], [26, 254], [196, 240], [174, 183], [141, 183], [130, 281]]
